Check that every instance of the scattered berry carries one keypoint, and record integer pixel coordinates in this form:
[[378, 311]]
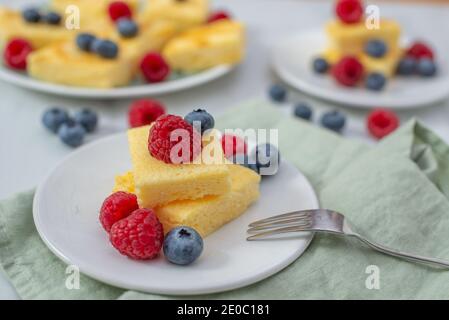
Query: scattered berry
[[381, 122], [116, 207], [16, 53], [302, 110], [105, 48], [84, 41], [183, 245], [333, 120], [160, 142], [233, 145], [375, 81], [376, 48], [127, 28], [202, 116], [348, 71], [420, 50], [244, 160], [31, 15], [426, 67], [349, 11], [320, 65], [54, 118], [406, 66], [88, 119], [139, 236], [218, 15], [278, 93], [53, 18], [119, 9], [154, 67], [267, 156], [72, 133], [144, 112]]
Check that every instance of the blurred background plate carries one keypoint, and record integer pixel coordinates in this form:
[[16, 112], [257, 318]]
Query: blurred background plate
[[136, 90], [292, 60]]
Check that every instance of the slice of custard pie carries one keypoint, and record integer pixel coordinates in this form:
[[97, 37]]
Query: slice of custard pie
[[202, 196]]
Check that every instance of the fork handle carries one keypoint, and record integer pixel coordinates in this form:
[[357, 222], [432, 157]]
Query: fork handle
[[431, 261]]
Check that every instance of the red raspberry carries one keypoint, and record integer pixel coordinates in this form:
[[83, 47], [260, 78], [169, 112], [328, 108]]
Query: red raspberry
[[16, 53], [219, 15], [139, 236], [144, 112], [160, 144], [420, 50], [119, 9], [382, 122], [117, 206], [349, 11], [348, 71], [233, 145], [154, 67]]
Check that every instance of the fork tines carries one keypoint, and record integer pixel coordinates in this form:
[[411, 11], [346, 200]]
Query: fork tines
[[284, 223]]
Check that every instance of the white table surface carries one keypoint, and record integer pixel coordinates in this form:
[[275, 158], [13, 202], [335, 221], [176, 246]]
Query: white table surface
[[27, 151]]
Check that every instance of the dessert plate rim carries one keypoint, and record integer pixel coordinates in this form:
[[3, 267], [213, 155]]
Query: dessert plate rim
[[47, 234], [307, 81], [21, 79]]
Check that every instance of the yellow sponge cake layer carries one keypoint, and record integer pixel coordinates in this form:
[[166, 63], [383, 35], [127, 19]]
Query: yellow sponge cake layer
[[66, 64], [158, 183], [12, 25], [386, 65], [199, 48], [207, 214], [152, 37], [125, 183], [350, 39], [184, 13]]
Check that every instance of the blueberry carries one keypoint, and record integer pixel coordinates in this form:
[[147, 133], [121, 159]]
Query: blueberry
[[182, 245], [127, 28], [268, 158], [320, 65], [375, 81], [88, 119], [85, 41], [200, 115], [426, 67], [278, 93], [302, 110], [54, 118], [72, 133], [333, 120], [105, 48], [244, 160], [31, 15], [406, 66], [53, 18], [376, 48], [95, 45]]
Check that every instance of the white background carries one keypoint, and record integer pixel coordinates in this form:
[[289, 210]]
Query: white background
[[27, 151]]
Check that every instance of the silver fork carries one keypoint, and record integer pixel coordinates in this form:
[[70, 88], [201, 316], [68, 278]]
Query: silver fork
[[326, 221]]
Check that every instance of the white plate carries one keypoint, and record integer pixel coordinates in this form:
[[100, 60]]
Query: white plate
[[137, 90], [67, 203], [292, 60]]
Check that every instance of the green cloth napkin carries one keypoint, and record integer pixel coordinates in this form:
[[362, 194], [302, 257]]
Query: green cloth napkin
[[396, 192]]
